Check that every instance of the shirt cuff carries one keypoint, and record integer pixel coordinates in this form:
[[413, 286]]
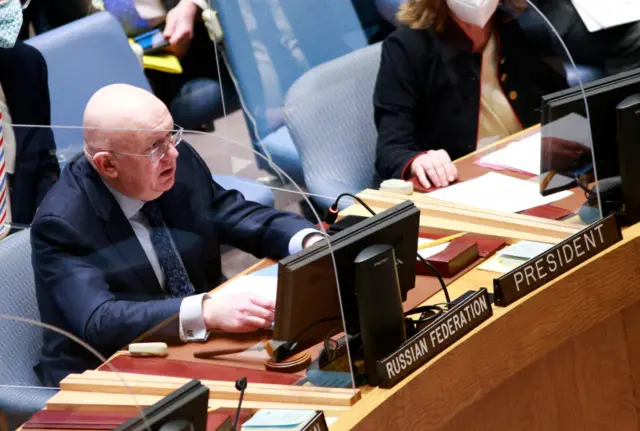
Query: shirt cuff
[[202, 4], [192, 326], [296, 241]]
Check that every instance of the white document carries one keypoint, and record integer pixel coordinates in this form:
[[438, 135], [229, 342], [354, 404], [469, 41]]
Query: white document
[[270, 418], [263, 283], [426, 253], [599, 14], [497, 192], [525, 249], [525, 155], [501, 264], [521, 155]]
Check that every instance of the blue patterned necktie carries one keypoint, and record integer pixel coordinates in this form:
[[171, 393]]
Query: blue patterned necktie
[[178, 284]]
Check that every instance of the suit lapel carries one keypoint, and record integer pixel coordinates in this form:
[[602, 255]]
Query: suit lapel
[[117, 228]]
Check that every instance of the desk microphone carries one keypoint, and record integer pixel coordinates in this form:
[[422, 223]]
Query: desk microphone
[[241, 385]]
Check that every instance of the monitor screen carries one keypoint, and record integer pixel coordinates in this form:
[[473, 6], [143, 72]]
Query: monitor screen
[[307, 304], [567, 151]]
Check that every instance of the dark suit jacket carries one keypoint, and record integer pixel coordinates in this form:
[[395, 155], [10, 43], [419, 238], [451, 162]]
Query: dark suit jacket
[[428, 90], [23, 76], [93, 278]]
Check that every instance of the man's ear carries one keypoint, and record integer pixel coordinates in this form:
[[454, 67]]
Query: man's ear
[[106, 164]]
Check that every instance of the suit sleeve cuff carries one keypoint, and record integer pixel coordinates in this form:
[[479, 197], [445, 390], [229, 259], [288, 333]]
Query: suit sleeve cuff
[[297, 240], [406, 172], [202, 4], [192, 327]]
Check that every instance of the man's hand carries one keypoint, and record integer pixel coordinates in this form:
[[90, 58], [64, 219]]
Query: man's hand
[[237, 312], [178, 29], [434, 167]]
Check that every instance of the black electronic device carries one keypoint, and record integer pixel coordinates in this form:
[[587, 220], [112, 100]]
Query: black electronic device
[[563, 161], [628, 116], [308, 304], [183, 410], [382, 327]]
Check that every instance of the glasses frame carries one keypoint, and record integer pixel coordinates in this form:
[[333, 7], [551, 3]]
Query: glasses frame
[[174, 140]]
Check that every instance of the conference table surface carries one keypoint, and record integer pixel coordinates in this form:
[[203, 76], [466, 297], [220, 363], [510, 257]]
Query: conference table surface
[[426, 291]]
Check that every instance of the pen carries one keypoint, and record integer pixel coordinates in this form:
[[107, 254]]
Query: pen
[[440, 241]]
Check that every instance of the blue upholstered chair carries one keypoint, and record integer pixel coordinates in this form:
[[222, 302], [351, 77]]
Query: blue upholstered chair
[[86, 55], [337, 146], [270, 44], [21, 342]]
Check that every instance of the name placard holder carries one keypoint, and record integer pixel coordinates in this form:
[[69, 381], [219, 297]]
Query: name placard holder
[[556, 261], [434, 338]]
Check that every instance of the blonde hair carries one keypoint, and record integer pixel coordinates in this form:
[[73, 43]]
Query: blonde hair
[[421, 14]]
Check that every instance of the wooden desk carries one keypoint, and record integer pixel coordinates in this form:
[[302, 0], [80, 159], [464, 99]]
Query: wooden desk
[[565, 357]]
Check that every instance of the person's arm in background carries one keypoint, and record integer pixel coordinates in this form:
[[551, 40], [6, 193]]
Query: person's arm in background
[[178, 29], [396, 95]]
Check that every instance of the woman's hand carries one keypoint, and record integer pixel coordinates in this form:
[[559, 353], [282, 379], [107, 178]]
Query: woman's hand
[[434, 167]]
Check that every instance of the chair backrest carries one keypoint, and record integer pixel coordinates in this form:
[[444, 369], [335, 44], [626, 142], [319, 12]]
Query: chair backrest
[[329, 112], [83, 57], [272, 43], [21, 342]]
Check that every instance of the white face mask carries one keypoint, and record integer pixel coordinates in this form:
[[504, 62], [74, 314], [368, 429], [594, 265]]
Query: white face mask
[[10, 22], [475, 12]]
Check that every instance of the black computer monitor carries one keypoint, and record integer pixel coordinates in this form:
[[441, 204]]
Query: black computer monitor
[[182, 410], [307, 304], [602, 96]]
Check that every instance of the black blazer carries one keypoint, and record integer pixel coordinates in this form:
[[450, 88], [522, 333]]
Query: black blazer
[[93, 278], [23, 76], [427, 92]]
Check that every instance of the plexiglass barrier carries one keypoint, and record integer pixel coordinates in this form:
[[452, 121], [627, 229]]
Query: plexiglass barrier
[[496, 117]]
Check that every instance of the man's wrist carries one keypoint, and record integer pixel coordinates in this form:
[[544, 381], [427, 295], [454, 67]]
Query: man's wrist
[[190, 6]]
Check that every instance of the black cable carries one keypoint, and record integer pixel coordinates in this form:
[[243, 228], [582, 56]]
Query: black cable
[[440, 279], [332, 215], [311, 325]]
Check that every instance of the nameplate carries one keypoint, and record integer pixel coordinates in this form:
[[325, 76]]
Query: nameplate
[[318, 423], [434, 338], [557, 260]]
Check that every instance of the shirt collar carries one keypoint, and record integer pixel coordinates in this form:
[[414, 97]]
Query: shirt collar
[[130, 206]]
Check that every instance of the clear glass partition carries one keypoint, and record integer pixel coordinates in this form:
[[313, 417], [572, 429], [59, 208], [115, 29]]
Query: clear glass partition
[[502, 123]]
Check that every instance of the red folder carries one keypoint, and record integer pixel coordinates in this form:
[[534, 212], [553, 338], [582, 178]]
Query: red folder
[[459, 254], [548, 211], [99, 420], [195, 370]]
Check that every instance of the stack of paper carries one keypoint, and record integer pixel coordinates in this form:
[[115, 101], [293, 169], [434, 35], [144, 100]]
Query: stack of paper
[[426, 253], [272, 419], [497, 192], [513, 256], [524, 156], [599, 14], [263, 283], [521, 156]]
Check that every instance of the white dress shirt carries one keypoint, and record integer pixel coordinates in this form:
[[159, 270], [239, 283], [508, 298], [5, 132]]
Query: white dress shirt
[[192, 326]]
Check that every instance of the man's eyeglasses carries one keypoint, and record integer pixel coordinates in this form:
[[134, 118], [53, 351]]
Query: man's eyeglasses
[[160, 149]]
